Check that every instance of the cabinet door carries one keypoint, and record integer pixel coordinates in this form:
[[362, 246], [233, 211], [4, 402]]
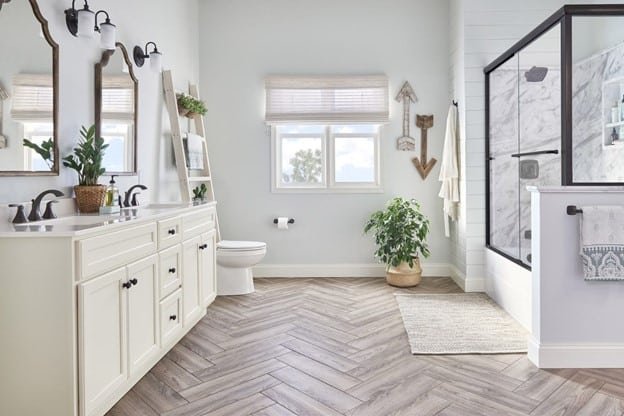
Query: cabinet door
[[143, 315], [190, 280], [207, 267], [102, 338]]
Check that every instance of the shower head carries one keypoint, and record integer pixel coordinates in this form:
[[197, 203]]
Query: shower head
[[536, 74]]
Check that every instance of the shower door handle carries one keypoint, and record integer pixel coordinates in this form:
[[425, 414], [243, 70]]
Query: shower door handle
[[539, 152]]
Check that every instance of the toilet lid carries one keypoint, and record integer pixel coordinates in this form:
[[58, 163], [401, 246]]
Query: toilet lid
[[240, 245]]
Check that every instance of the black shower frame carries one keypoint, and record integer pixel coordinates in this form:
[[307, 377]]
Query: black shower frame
[[563, 16]]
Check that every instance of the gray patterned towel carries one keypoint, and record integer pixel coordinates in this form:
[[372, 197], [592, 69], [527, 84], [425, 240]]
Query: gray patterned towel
[[602, 242]]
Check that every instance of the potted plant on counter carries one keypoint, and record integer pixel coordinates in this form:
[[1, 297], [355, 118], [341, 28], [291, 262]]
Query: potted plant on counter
[[400, 232], [87, 162]]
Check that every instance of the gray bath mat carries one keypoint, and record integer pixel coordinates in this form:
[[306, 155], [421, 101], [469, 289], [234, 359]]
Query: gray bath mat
[[465, 323]]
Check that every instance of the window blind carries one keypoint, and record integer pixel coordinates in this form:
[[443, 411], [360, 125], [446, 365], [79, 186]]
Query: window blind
[[117, 98], [327, 99], [32, 98]]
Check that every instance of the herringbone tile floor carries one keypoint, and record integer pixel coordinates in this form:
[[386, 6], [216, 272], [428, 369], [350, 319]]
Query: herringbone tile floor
[[338, 347]]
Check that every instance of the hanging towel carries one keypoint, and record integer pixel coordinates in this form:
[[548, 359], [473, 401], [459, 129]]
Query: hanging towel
[[602, 242], [194, 151], [449, 171]]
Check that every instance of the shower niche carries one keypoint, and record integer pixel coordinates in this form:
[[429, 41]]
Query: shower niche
[[551, 103]]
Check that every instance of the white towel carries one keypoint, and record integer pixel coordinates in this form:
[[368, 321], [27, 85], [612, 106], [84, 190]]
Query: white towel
[[449, 171], [194, 151], [602, 242]]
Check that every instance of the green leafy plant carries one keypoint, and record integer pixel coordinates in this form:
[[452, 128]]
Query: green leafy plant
[[192, 104], [199, 192], [400, 232], [87, 157], [45, 150]]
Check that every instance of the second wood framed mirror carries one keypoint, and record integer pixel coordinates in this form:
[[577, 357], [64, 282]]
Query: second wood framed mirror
[[116, 110]]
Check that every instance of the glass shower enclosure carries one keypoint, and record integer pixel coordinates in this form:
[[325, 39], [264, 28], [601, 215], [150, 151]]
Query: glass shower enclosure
[[554, 116]]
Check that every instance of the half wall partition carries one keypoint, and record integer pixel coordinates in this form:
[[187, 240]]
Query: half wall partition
[[554, 116]]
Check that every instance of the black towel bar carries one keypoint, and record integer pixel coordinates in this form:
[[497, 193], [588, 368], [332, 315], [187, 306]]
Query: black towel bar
[[573, 210]]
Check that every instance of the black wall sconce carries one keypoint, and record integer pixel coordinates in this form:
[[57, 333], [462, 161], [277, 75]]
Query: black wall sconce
[[154, 56], [79, 21], [80, 24]]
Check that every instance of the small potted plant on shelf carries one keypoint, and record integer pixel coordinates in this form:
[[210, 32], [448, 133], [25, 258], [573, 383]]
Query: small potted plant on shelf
[[87, 162], [400, 232], [199, 193], [190, 106]]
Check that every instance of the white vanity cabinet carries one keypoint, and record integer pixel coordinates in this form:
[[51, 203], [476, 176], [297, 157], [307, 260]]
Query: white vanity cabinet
[[117, 298]]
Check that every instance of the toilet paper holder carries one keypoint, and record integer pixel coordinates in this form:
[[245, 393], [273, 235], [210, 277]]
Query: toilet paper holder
[[290, 221]]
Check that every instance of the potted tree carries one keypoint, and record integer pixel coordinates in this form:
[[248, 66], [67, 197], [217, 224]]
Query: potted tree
[[400, 232], [87, 162]]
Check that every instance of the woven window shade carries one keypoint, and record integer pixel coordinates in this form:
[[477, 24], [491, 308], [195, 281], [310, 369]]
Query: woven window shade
[[335, 99], [117, 98], [32, 98]]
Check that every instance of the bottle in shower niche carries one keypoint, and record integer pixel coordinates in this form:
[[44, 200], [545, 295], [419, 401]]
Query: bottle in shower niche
[[622, 108], [614, 136]]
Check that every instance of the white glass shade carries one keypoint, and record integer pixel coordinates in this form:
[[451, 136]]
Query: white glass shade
[[85, 23], [108, 33], [155, 61]]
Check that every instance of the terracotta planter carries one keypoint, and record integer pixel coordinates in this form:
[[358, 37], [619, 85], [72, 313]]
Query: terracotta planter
[[403, 275], [89, 198]]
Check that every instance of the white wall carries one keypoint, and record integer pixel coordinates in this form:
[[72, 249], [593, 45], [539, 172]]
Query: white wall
[[575, 323], [174, 27], [242, 41]]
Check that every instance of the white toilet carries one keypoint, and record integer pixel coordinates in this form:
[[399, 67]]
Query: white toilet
[[234, 262]]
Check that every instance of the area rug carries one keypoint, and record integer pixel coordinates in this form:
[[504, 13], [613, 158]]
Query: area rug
[[465, 323]]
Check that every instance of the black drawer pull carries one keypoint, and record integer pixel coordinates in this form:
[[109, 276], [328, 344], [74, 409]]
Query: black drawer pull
[[126, 285], [172, 270], [203, 247], [172, 232], [134, 282], [173, 317]]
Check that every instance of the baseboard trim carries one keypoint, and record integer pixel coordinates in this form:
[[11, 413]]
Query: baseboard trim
[[341, 270], [576, 356], [476, 284]]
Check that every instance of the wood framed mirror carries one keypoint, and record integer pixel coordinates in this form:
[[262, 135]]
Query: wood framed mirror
[[116, 110], [29, 85]]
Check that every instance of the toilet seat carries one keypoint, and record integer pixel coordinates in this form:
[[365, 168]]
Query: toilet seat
[[229, 245]]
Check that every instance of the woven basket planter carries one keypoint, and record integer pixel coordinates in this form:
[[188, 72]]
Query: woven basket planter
[[183, 111], [90, 198], [403, 275]]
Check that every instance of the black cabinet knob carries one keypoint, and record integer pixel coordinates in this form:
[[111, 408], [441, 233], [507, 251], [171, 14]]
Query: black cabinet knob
[[172, 270], [172, 317], [172, 232], [203, 246], [126, 285], [134, 282]]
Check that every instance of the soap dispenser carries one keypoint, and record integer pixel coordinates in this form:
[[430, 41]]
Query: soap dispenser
[[111, 198]]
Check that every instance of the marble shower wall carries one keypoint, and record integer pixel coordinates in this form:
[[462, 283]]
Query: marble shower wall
[[593, 161]]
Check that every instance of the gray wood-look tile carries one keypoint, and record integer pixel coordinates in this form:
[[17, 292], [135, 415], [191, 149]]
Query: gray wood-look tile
[[337, 346]]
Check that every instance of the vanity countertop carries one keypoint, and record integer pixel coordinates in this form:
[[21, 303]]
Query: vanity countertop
[[80, 225]]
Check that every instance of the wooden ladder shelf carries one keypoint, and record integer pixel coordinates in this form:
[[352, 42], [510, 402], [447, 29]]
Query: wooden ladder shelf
[[188, 179]]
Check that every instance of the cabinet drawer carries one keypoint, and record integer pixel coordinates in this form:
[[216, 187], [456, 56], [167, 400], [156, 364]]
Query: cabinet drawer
[[198, 222], [170, 270], [169, 232], [100, 254], [170, 318]]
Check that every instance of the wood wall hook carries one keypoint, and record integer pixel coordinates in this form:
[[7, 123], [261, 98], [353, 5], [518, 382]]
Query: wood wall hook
[[423, 166]]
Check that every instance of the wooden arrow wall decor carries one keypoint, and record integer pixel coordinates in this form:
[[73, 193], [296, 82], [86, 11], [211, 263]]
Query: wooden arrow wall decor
[[422, 165], [407, 96]]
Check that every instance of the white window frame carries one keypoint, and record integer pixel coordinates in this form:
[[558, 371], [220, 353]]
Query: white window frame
[[328, 183]]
